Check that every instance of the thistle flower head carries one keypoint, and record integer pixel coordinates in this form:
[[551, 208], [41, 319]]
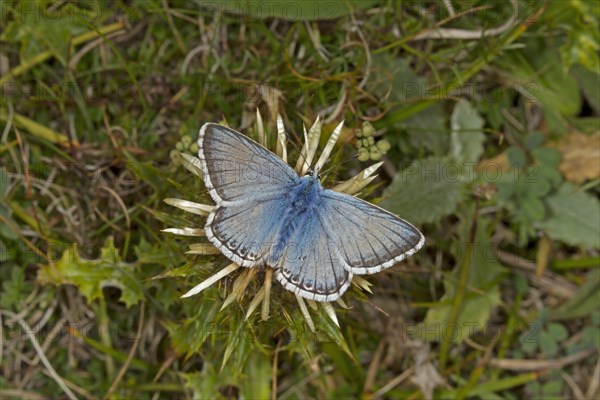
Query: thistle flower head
[[307, 162]]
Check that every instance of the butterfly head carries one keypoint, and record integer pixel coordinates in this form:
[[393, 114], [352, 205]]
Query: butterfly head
[[314, 173]]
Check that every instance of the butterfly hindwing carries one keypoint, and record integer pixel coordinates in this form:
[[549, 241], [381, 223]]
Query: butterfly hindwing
[[310, 263], [368, 238], [227, 228]]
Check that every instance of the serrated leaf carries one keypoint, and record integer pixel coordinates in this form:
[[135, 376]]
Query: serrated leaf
[[466, 137], [233, 339], [91, 276], [333, 331], [15, 289], [424, 192], [574, 218], [189, 335], [206, 383]]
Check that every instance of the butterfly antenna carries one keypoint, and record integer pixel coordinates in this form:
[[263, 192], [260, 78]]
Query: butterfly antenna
[[300, 155]]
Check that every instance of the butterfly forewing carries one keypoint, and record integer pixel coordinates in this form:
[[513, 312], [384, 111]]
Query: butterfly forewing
[[238, 169]]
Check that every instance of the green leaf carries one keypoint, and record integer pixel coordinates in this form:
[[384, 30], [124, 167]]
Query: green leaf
[[16, 289], [552, 389], [533, 209], [547, 160], [516, 157], [189, 335], [257, 382], [425, 192], [590, 85], [585, 300], [529, 339], [91, 276], [533, 140], [233, 341], [538, 72], [333, 331], [557, 331], [394, 79], [546, 156], [427, 130], [206, 384], [389, 71], [591, 335], [37, 28], [305, 10], [574, 217], [482, 293], [466, 137], [534, 186], [548, 344], [473, 317]]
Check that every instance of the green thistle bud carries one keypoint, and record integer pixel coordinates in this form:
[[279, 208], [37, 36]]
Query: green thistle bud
[[383, 146], [367, 129], [363, 154], [175, 157], [374, 154], [186, 140]]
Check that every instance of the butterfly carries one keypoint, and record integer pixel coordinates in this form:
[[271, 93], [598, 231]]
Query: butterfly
[[315, 239]]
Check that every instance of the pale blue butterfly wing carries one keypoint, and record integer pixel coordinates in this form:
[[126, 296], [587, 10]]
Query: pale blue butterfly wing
[[369, 238], [247, 183], [266, 214], [305, 259], [235, 166]]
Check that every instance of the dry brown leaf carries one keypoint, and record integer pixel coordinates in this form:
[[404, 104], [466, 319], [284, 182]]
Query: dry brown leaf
[[494, 165], [580, 156]]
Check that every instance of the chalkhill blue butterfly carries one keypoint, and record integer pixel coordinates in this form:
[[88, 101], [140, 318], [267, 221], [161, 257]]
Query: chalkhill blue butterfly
[[314, 238]]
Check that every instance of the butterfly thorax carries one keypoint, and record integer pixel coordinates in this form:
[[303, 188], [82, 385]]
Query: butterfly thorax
[[302, 199]]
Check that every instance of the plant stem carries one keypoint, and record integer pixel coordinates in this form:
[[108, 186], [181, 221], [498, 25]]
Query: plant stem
[[461, 289]]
